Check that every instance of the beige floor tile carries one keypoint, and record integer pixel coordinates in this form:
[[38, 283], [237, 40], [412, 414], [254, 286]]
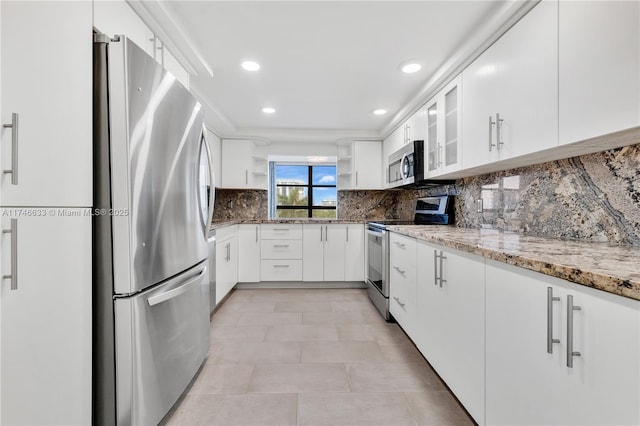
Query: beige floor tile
[[383, 334], [437, 408], [396, 377], [241, 352], [225, 318], [222, 379], [238, 332], [253, 410], [389, 409], [247, 306], [335, 295], [341, 352], [279, 295], [303, 307], [270, 318], [361, 305], [301, 333], [333, 318], [374, 317], [299, 378], [240, 296], [401, 352]]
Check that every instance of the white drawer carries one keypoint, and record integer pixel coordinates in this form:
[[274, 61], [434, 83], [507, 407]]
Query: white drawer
[[226, 232], [281, 270], [281, 231], [402, 252], [281, 249]]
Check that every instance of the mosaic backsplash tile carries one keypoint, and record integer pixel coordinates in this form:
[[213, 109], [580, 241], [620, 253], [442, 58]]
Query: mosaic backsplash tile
[[592, 197]]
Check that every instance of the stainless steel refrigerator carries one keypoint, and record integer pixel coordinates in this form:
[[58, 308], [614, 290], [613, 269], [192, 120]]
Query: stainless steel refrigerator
[[151, 217]]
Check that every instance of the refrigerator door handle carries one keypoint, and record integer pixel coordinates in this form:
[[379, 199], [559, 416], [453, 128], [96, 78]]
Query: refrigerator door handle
[[212, 178], [175, 292]]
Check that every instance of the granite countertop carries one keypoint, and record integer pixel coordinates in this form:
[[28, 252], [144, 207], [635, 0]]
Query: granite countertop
[[224, 223], [611, 268]]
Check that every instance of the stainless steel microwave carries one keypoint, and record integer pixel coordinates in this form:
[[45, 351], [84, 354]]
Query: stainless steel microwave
[[406, 165]]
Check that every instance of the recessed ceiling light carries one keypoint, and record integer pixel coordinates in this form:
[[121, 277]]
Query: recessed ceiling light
[[250, 66], [411, 67], [268, 110], [380, 111]]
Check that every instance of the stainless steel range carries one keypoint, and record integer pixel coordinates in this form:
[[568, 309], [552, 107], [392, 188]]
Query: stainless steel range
[[427, 211]]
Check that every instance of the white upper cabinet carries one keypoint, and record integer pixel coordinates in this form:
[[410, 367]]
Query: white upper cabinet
[[444, 131], [510, 96], [599, 50], [359, 165], [116, 17], [47, 95], [244, 164]]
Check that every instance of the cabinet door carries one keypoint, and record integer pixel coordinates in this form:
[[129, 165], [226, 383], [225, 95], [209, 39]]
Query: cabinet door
[[233, 262], [335, 237], [528, 86], [604, 383], [479, 106], [367, 165], [236, 163], [525, 384], [224, 276], [429, 334], [49, 86], [248, 253], [312, 252], [599, 55], [116, 17], [354, 253], [432, 145], [451, 128], [46, 321], [462, 297]]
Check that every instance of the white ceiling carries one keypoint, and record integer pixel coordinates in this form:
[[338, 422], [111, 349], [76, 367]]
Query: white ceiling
[[325, 64]]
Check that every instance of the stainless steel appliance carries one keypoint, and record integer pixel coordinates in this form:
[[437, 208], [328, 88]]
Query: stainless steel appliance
[[151, 220], [406, 166], [427, 211], [212, 269]]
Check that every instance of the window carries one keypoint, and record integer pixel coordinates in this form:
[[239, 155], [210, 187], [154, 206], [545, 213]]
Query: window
[[303, 191]]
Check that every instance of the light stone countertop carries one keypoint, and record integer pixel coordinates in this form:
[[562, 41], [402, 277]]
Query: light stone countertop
[[611, 268]]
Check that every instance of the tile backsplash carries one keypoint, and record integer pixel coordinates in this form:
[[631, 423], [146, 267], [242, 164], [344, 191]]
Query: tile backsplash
[[592, 197]]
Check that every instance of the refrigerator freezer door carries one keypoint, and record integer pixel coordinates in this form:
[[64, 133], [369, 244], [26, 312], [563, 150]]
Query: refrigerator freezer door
[[169, 325], [155, 142]]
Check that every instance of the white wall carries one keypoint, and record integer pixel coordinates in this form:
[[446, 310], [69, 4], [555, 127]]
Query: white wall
[[307, 149]]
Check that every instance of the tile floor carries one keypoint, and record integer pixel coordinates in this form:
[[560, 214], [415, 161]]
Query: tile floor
[[312, 357]]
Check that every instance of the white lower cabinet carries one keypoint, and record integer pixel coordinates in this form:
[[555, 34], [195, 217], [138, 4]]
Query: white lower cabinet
[[402, 282], [354, 253], [46, 319], [323, 252], [226, 260], [248, 253], [450, 307], [528, 385]]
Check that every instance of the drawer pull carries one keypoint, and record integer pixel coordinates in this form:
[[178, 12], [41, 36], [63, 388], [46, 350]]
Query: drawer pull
[[401, 245], [280, 266], [399, 270], [281, 229], [550, 339], [570, 352], [399, 302], [281, 245]]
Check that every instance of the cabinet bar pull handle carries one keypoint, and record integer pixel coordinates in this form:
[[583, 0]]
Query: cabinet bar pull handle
[[435, 267], [14, 147], [401, 245], [246, 176], [442, 280], [347, 233], [399, 302], [570, 352], [439, 155], [14, 254], [281, 229], [491, 124], [550, 339], [356, 178], [326, 233], [280, 266], [281, 245], [257, 233], [399, 270], [499, 122]]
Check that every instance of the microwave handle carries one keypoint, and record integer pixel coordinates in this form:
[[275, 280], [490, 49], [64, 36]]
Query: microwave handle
[[404, 158]]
